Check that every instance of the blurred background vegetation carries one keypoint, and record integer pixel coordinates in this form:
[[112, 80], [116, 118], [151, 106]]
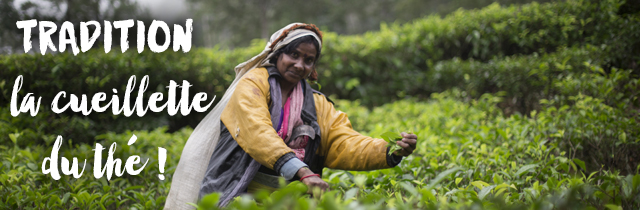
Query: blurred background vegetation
[[227, 24], [232, 23]]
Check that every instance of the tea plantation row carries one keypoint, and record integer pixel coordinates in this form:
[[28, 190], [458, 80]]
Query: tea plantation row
[[469, 155]]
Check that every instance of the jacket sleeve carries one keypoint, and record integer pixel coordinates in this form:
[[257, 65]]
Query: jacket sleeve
[[248, 120], [343, 147]]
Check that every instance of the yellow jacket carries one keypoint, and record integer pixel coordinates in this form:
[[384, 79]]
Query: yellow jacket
[[248, 120]]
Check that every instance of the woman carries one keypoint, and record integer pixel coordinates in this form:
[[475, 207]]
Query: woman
[[274, 124]]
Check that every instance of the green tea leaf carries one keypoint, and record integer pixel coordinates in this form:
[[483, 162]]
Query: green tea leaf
[[636, 182], [580, 163], [613, 207], [485, 191], [65, 198], [526, 168], [479, 184], [14, 137], [409, 188], [209, 201], [443, 175], [351, 193], [391, 137], [32, 166], [394, 148]]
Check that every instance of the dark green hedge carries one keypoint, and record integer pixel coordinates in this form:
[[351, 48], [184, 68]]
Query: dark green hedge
[[593, 115], [390, 63]]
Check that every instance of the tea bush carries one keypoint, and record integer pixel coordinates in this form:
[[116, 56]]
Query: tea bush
[[469, 156], [399, 60], [23, 185]]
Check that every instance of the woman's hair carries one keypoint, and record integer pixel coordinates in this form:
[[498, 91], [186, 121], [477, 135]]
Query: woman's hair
[[289, 48]]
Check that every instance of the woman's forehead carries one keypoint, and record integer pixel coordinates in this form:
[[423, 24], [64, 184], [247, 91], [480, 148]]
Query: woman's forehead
[[307, 49]]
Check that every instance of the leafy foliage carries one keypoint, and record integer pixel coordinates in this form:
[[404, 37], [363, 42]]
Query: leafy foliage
[[529, 107], [25, 187], [469, 155], [391, 138]]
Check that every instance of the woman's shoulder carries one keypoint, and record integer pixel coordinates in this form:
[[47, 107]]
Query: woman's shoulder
[[254, 83], [256, 72], [256, 77], [321, 99]]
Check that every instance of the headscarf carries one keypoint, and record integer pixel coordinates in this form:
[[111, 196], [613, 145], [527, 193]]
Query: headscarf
[[196, 153]]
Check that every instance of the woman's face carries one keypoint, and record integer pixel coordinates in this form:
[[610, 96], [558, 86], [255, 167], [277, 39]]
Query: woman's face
[[298, 64]]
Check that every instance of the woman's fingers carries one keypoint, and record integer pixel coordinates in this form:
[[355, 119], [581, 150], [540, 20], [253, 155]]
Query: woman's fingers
[[315, 183], [411, 142], [409, 136], [408, 144], [407, 149]]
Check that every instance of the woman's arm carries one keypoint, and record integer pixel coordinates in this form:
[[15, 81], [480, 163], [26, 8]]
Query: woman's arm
[[345, 148]]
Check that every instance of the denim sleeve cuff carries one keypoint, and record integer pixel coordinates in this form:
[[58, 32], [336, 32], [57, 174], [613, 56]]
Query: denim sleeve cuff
[[285, 158], [291, 167], [393, 160]]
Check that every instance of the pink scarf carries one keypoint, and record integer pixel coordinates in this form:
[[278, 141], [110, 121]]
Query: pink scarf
[[292, 110]]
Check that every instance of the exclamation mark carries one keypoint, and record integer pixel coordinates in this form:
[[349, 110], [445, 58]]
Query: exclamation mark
[[162, 158]]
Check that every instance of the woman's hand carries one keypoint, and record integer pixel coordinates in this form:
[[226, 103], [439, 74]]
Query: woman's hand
[[312, 182], [408, 144]]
